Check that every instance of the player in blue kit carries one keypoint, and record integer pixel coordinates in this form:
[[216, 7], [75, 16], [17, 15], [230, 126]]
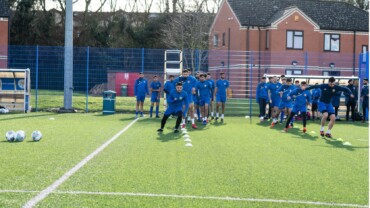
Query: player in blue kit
[[210, 80], [285, 104], [325, 106], [196, 100], [274, 99], [262, 97], [316, 93], [141, 90], [188, 85], [335, 101], [365, 99], [169, 86], [302, 97], [221, 95], [205, 89], [155, 89], [176, 101]]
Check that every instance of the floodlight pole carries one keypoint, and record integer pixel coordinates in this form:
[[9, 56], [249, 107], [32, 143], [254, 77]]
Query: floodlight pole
[[68, 57]]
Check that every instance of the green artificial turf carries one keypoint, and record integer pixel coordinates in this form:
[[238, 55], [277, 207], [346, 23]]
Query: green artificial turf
[[239, 158]]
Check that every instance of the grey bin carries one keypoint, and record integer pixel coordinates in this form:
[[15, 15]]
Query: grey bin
[[109, 102], [124, 90]]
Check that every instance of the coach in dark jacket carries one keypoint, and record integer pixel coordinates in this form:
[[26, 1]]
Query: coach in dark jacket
[[351, 102]]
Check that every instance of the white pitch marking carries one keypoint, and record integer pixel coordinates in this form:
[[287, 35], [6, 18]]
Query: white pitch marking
[[44, 193], [194, 197]]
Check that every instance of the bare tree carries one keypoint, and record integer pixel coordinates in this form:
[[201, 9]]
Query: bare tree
[[188, 31]]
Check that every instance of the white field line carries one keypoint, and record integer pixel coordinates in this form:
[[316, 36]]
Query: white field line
[[44, 193], [283, 201]]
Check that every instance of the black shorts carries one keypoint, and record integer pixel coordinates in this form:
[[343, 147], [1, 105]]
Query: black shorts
[[314, 106]]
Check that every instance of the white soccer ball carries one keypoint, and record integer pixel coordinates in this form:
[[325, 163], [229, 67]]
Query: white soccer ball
[[10, 135], [36, 135], [19, 136]]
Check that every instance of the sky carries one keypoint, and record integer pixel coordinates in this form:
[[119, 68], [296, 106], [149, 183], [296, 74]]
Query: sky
[[120, 4]]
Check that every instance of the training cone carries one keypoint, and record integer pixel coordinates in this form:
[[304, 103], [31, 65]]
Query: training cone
[[187, 140], [51, 118], [186, 136], [340, 139], [188, 145], [313, 132], [347, 144]]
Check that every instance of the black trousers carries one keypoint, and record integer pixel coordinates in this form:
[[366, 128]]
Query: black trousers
[[262, 103], [336, 110], [365, 106], [351, 105]]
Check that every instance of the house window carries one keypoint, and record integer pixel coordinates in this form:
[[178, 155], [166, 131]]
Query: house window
[[365, 49], [294, 39], [332, 42], [293, 71], [215, 40], [267, 39], [331, 73], [223, 39]]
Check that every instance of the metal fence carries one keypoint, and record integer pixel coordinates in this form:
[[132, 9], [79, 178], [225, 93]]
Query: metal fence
[[94, 67]]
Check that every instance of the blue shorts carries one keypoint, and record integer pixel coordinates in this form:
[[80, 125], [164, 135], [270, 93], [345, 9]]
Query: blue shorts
[[221, 99], [154, 99], [173, 111], [324, 107], [284, 105], [275, 101], [204, 100], [299, 108], [195, 99], [140, 98]]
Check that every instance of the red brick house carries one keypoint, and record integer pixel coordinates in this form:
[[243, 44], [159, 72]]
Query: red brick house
[[4, 33], [288, 37]]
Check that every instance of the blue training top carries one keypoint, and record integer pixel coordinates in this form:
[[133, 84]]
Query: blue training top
[[273, 88], [286, 89], [335, 100], [301, 96], [261, 91], [155, 86], [177, 99], [316, 93], [141, 87], [365, 93], [168, 87], [328, 92], [222, 85], [204, 89], [212, 82], [188, 83]]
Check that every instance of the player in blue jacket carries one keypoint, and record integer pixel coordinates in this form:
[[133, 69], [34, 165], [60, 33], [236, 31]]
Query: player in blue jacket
[[351, 102], [188, 85], [325, 106], [285, 104], [140, 90], [221, 95], [262, 97], [212, 82], [196, 100], [365, 99], [316, 93], [169, 86], [155, 89], [302, 97], [176, 101], [204, 89], [274, 99]]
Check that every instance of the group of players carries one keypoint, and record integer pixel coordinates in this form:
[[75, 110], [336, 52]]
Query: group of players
[[187, 97], [289, 99]]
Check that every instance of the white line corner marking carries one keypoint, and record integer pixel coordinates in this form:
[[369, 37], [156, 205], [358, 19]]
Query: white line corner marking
[[44, 193]]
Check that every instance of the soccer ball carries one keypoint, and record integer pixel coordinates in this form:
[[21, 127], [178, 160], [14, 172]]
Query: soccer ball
[[36, 136], [19, 136], [10, 135]]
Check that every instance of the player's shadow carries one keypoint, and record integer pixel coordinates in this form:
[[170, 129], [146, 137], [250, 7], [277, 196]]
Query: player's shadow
[[218, 123], [339, 144], [169, 135], [296, 132]]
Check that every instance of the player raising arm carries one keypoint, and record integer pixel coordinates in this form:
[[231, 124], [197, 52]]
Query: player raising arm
[[325, 106]]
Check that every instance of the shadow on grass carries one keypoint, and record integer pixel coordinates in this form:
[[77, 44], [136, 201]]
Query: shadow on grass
[[26, 116], [168, 135], [339, 144]]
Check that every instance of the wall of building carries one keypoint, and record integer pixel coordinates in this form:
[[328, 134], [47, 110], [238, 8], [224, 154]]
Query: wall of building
[[4, 40]]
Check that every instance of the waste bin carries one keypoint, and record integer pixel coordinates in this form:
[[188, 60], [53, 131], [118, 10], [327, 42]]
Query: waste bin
[[109, 102], [124, 90]]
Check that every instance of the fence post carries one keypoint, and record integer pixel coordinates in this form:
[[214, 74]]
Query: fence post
[[142, 59], [250, 85], [37, 76], [305, 62], [367, 65], [196, 59], [87, 78]]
